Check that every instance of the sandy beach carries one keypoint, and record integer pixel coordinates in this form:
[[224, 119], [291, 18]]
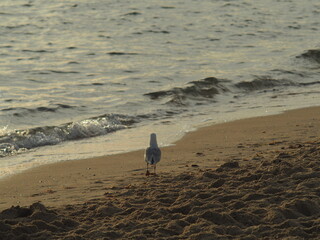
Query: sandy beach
[[256, 178]]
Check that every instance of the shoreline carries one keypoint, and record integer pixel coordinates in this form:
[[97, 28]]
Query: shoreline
[[117, 142], [207, 147]]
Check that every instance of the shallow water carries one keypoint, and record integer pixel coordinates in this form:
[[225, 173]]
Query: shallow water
[[78, 77]]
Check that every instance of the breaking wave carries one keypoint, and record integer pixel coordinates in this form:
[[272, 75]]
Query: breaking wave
[[12, 142], [207, 89], [196, 90]]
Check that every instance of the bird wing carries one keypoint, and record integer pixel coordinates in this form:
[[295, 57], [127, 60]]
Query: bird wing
[[152, 155]]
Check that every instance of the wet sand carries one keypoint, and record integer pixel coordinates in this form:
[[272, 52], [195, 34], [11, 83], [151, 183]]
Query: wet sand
[[256, 178]]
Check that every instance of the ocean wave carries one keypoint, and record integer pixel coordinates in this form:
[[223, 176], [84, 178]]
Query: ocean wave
[[312, 55], [310, 83], [205, 90], [134, 13], [208, 88], [11, 142], [21, 111], [121, 53], [63, 72], [263, 83], [37, 51], [196, 90]]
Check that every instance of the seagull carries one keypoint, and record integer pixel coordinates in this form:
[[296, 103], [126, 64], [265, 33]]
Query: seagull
[[152, 154]]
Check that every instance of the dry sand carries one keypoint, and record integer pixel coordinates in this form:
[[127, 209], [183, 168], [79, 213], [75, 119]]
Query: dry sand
[[255, 178]]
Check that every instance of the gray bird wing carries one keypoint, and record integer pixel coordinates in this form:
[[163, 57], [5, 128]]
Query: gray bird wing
[[152, 155]]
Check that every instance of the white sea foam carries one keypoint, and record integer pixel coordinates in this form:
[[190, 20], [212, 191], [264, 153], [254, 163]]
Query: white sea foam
[[12, 142], [4, 130]]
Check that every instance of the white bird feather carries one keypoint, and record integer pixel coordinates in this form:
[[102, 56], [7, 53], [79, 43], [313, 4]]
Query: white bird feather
[[153, 153]]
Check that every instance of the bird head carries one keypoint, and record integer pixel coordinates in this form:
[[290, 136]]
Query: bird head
[[153, 140]]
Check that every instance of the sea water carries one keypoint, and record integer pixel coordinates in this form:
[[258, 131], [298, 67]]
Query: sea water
[[81, 79]]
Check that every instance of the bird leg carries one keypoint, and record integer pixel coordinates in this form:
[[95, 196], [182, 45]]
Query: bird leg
[[147, 173], [154, 169]]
